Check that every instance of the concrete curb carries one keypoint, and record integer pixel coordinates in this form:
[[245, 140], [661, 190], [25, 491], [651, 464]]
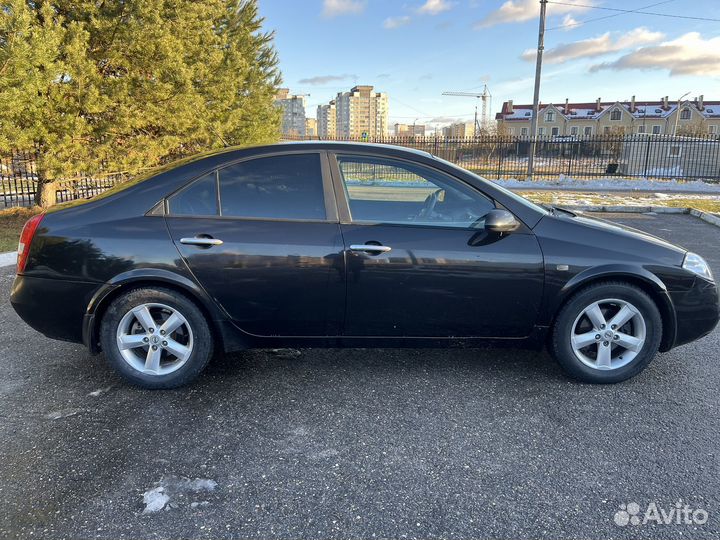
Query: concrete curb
[[712, 219], [634, 209], [8, 259]]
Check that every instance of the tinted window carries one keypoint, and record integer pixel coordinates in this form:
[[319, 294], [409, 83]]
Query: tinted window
[[198, 199], [287, 187], [390, 191]]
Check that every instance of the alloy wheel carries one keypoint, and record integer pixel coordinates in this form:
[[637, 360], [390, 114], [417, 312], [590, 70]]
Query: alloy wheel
[[608, 334], [155, 339]]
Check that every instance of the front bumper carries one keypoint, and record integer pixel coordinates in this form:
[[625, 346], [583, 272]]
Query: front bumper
[[53, 307], [697, 311]]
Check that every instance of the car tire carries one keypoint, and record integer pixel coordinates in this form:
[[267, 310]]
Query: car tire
[[156, 338], [592, 346]]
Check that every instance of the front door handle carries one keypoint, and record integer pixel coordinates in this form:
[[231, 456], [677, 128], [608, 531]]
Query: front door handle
[[370, 247], [201, 241]]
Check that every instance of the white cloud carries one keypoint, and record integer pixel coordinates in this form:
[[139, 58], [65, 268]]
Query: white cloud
[[568, 22], [433, 7], [324, 79], [333, 8], [445, 120], [690, 54], [597, 46], [517, 11], [396, 22]]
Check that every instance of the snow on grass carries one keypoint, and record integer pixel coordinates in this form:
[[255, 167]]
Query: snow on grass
[[704, 202], [613, 184]]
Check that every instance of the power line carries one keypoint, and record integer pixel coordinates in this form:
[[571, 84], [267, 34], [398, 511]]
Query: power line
[[580, 23], [670, 15]]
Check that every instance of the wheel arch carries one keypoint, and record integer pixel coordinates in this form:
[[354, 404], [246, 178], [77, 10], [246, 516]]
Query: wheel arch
[[137, 279], [640, 277]]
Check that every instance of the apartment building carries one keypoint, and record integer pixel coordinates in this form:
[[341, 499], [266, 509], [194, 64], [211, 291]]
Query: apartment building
[[311, 127], [587, 119], [361, 112], [293, 107], [459, 129], [326, 121], [409, 130]]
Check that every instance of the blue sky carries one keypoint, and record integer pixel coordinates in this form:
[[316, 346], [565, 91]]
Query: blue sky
[[416, 49]]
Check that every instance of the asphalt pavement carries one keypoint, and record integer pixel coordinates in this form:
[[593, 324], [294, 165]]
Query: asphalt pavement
[[360, 443]]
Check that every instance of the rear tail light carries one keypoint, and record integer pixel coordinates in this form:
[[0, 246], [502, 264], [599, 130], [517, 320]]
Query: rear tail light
[[26, 237]]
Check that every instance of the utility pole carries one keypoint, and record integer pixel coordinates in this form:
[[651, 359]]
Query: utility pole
[[536, 95]]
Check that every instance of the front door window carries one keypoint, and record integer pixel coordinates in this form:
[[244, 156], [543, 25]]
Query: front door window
[[391, 191]]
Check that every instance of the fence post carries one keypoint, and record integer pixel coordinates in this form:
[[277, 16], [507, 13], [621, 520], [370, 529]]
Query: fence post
[[647, 157]]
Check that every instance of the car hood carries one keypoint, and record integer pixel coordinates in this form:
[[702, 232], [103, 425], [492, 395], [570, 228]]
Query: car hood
[[622, 231]]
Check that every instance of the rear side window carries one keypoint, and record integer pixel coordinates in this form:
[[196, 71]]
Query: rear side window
[[197, 199], [280, 187]]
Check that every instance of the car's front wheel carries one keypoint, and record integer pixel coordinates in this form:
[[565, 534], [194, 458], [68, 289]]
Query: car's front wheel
[[607, 333], [156, 338]]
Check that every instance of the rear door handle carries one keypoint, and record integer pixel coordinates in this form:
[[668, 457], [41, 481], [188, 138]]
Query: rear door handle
[[370, 247], [200, 241]]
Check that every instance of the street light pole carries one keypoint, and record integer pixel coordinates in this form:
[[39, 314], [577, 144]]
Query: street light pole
[[536, 95], [677, 113]]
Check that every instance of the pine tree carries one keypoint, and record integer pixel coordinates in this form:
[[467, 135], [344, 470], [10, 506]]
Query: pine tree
[[122, 85]]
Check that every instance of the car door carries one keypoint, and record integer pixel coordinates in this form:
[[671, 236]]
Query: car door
[[262, 237], [419, 261]]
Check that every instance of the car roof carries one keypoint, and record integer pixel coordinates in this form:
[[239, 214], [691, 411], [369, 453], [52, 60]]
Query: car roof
[[352, 145]]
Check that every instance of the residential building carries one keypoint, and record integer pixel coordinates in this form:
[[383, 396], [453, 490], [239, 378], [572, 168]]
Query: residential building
[[598, 118], [459, 129], [409, 130], [643, 155], [310, 127], [293, 107], [361, 112], [326, 121]]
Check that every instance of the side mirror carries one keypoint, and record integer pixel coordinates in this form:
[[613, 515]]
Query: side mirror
[[500, 221]]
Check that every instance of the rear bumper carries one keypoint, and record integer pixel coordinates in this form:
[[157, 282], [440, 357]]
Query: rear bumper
[[697, 311], [53, 307]]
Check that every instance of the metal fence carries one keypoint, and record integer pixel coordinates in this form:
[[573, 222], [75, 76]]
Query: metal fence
[[18, 182], [633, 156]]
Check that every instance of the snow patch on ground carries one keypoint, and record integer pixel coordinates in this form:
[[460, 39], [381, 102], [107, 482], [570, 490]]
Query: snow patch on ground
[[63, 413], [99, 391], [8, 259], [155, 500], [613, 184], [174, 492]]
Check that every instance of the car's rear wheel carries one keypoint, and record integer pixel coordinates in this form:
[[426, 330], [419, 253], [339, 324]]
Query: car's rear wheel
[[156, 338], [607, 333]]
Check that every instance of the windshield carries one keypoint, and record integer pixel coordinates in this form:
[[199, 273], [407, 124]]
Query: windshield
[[505, 191]]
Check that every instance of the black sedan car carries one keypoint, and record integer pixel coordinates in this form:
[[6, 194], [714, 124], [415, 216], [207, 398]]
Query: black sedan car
[[348, 245]]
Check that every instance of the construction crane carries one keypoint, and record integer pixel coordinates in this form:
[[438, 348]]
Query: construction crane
[[486, 98]]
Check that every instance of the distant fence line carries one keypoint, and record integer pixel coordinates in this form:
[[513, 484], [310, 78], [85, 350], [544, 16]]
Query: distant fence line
[[632, 156]]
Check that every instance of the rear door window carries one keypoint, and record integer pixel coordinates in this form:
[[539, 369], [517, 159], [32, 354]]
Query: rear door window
[[198, 199], [277, 187]]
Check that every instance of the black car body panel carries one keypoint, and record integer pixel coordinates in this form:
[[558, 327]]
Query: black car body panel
[[277, 282]]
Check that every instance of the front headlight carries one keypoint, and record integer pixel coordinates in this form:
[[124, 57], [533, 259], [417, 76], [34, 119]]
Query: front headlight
[[697, 265]]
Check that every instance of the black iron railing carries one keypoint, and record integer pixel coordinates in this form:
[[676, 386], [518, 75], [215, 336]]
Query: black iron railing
[[630, 156], [633, 156]]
